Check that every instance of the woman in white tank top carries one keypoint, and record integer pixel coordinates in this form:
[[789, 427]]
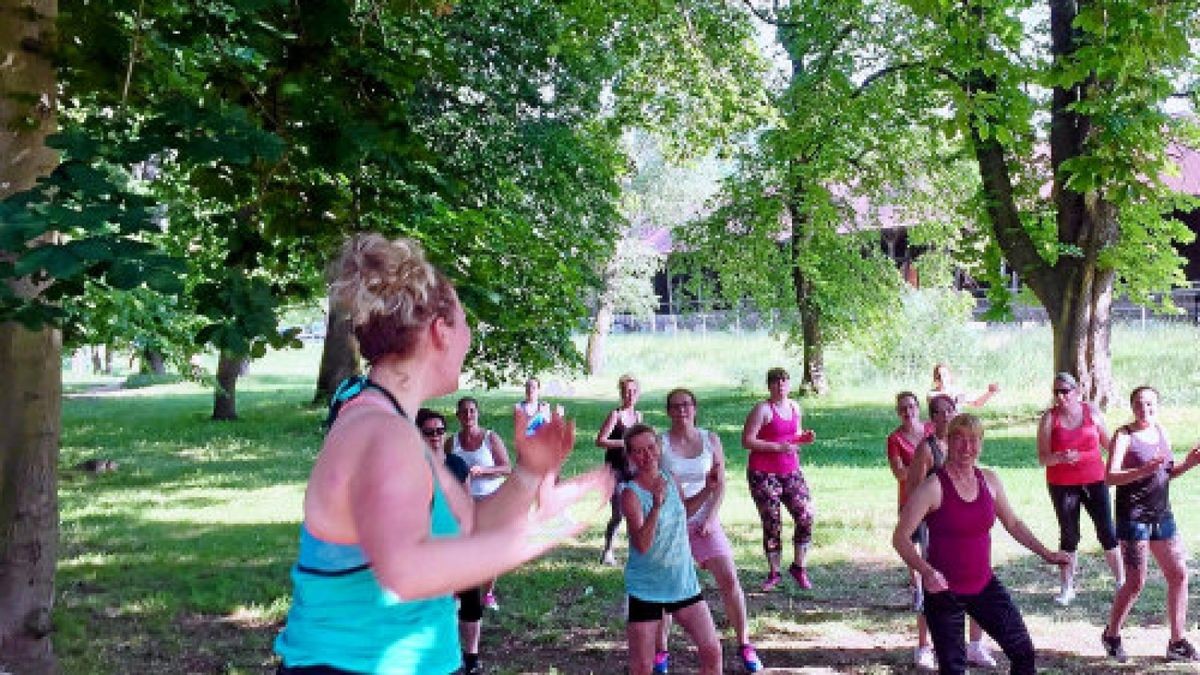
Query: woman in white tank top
[[691, 454]]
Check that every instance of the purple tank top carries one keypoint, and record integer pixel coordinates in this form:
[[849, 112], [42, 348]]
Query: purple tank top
[[960, 540]]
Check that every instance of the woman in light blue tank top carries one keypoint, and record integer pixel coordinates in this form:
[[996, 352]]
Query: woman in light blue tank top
[[660, 576], [388, 534]]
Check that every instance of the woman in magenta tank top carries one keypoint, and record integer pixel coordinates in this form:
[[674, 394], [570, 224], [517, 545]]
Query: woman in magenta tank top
[[1070, 439], [773, 436], [959, 504]]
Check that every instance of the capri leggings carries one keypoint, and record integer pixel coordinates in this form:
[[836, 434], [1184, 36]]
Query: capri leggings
[[1094, 497], [769, 490]]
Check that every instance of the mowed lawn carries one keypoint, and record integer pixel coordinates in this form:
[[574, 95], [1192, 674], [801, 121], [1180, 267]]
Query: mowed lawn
[[178, 561]]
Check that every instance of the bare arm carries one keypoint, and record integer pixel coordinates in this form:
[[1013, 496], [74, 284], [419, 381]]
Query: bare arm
[[985, 396], [718, 472], [1046, 456], [919, 467], [1115, 475], [606, 429], [925, 498], [1191, 460], [1101, 429], [1015, 526], [754, 422], [642, 526]]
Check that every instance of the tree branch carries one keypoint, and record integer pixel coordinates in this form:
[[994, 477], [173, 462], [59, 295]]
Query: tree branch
[[899, 67], [766, 18]]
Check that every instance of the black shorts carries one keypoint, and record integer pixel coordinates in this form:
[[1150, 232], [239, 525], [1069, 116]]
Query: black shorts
[[642, 610]]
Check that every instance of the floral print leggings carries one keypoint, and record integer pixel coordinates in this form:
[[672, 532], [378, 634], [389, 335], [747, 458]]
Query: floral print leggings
[[769, 490]]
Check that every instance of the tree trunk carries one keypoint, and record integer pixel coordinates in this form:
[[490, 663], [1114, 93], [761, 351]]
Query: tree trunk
[[30, 361], [229, 367], [339, 356], [153, 362], [97, 360], [814, 380], [601, 326], [109, 355]]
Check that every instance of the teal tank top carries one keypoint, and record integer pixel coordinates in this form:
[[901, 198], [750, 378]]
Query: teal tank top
[[341, 617], [665, 572]]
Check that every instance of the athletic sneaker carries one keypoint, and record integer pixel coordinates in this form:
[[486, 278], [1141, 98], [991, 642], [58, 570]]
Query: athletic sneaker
[[1181, 650], [750, 659], [489, 601], [608, 559], [979, 656], [1114, 648], [1065, 596], [662, 662], [924, 659], [772, 581], [800, 575], [473, 669]]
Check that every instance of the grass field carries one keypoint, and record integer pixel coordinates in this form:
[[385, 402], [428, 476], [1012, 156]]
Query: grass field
[[178, 562]]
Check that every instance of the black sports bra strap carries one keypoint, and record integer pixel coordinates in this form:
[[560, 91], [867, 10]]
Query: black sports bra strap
[[395, 404]]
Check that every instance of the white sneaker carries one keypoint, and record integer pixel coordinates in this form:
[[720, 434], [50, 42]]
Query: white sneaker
[[979, 656], [1064, 597], [923, 657]]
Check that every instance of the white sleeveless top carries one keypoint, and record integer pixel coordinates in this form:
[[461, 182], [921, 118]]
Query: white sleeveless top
[[689, 471], [481, 486]]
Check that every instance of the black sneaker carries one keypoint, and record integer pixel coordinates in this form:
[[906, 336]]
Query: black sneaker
[[1181, 650], [1113, 647]]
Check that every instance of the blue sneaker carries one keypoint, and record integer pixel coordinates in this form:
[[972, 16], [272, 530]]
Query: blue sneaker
[[662, 662]]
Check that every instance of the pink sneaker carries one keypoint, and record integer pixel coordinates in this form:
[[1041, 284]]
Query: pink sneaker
[[772, 581], [800, 575]]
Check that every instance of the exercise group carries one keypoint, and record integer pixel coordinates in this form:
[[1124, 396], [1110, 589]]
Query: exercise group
[[407, 525]]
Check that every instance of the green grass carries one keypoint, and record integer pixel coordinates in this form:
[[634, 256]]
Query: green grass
[[178, 561]]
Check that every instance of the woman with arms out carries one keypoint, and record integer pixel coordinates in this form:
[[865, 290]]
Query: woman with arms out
[[388, 536], [660, 577], [691, 455], [943, 385], [1141, 467], [1070, 437], [960, 504], [611, 438], [772, 434]]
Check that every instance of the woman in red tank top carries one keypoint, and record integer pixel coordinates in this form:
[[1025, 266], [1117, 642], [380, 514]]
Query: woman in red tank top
[[960, 507], [1070, 440]]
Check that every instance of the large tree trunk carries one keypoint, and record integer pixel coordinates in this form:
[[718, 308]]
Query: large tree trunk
[[1075, 290], [30, 361], [339, 355], [814, 380], [153, 362], [229, 367], [601, 327]]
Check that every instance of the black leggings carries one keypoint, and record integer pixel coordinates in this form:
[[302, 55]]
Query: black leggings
[[995, 612], [470, 604], [1093, 497]]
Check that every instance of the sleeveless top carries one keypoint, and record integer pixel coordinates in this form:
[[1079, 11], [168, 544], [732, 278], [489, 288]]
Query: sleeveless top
[[343, 618], [1146, 500], [898, 447], [960, 540], [665, 572], [615, 457], [481, 486], [690, 471], [1086, 439], [539, 416], [777, 430]]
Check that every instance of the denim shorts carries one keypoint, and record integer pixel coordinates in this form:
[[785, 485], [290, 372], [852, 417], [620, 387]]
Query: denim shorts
[[1159, 530]]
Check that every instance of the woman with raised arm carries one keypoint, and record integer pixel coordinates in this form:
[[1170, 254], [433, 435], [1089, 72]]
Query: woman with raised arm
[[487, 462], [660, 577], [772, 433], [532, 407], [1142, 467], [691, 455], [960, 504], [1070, 440], [611, 438], [943, 385], [388, 535]]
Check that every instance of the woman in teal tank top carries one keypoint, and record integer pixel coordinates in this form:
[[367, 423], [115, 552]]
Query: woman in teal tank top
[[388, 534], [660, 576]]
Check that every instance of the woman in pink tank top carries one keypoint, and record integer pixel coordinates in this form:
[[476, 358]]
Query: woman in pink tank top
[[773, 436], [1070, 441], [960, 508]]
